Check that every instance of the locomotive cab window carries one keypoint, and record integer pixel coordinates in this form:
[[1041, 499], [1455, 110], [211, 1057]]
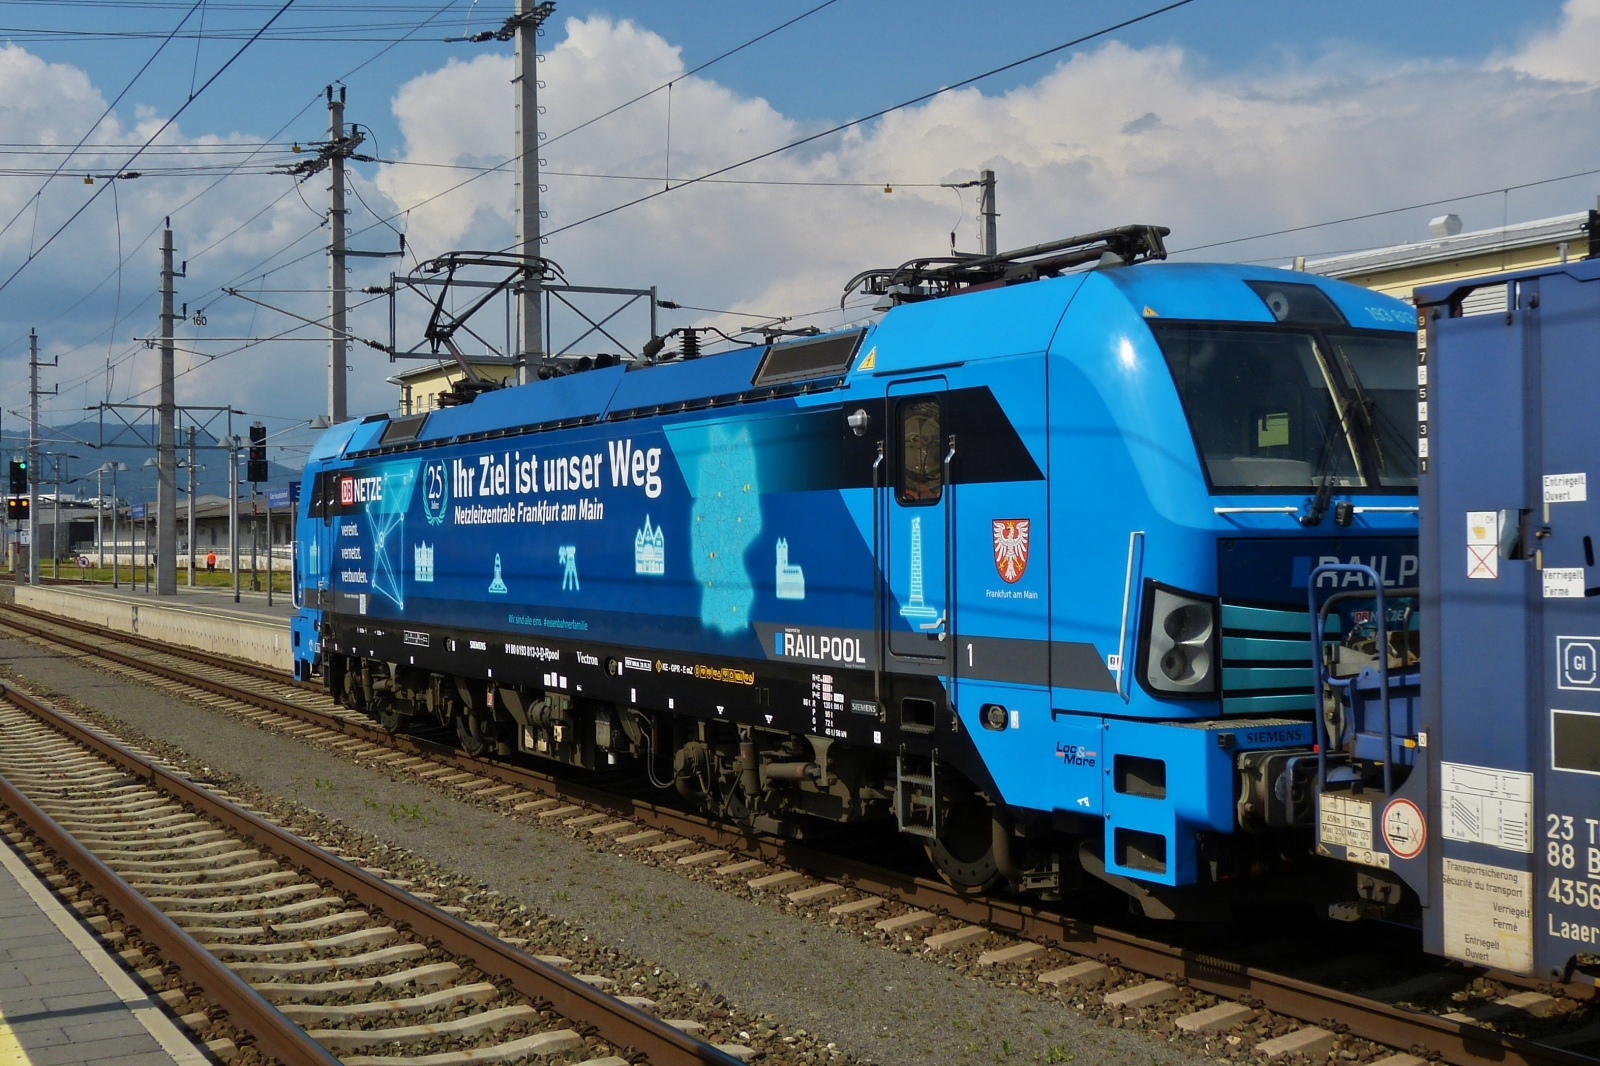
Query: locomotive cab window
[[1275, 408], [918, 432]]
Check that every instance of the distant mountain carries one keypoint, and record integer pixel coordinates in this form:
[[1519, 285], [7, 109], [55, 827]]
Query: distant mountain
[[130, 445]]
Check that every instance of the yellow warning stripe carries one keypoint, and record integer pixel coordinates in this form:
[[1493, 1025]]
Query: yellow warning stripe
[[11, 1053]]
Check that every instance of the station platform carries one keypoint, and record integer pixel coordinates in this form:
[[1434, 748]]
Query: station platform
[[202, 618], [63, 999]]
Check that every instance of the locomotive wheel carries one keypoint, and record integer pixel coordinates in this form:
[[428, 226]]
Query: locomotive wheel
[[963, 853], [471, 734]]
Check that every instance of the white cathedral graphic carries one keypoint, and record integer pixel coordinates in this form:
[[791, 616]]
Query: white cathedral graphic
[[422, 562], [649, 550], [791, 579]]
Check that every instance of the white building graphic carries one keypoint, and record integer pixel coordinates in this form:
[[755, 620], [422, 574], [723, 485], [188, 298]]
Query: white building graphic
[[649, 550], [422, 562], [791, 579]]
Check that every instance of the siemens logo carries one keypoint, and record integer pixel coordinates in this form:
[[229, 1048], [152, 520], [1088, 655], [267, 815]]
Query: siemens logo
[[1269, 738]]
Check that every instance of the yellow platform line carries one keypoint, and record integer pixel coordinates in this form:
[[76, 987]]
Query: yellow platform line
[[11, 1051]]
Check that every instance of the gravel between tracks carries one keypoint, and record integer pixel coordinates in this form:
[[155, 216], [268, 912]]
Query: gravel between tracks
[[875, 1005]]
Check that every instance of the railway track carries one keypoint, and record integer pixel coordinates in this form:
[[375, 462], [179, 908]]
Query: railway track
[[1128, 973], [307, 953]]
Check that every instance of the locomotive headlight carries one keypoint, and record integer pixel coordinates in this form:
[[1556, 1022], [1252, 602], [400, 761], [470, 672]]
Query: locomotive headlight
[[1178, 643]]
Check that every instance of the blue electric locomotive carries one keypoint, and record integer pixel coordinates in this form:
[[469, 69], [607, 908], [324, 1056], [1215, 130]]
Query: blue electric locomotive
[[1022, 566]]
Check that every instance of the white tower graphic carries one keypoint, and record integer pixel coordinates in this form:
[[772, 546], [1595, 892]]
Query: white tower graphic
[[917, 610]]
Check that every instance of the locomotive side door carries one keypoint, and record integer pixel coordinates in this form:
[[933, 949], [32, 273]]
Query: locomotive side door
[[916, 563]]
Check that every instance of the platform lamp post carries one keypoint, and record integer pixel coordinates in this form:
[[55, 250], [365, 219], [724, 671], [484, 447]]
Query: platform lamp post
[[154, 464], [100, 472], [233, 511], [180, 464]]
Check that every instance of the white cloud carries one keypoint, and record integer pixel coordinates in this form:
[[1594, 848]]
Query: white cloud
[[1565, 53]]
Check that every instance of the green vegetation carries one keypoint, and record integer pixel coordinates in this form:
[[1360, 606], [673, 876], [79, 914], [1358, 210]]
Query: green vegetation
[[131, 575]]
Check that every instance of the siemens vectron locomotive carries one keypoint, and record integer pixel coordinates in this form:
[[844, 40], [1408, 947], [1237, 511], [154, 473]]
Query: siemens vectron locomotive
[[1022, 567]]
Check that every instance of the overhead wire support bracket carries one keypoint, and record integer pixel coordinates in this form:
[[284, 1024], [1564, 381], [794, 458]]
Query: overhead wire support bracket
[[508, 29], [379, 345]]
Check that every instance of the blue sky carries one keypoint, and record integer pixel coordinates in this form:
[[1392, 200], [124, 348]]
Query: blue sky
[[1222, 119]]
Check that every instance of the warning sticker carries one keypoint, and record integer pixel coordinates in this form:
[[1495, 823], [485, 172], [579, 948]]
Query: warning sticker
[[1405, 831], [1487, 806], [1483, 544], [1563, 582], [1488, 915], [1566, 488]]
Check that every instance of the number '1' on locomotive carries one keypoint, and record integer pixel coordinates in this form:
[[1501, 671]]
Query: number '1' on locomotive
[[1021, 568]]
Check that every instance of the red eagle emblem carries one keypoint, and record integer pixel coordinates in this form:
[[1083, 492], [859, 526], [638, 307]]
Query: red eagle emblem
[[1011, 548]]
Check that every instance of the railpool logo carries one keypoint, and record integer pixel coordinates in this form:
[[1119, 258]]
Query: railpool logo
[[818, 647], [435, 492]]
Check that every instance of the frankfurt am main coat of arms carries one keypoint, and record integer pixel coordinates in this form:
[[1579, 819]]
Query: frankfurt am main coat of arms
[[1011, 548]]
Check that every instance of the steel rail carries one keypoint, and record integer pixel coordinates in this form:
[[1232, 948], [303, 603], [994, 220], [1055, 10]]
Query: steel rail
[[1458, 1043], [616, 1022], [275, 1035]]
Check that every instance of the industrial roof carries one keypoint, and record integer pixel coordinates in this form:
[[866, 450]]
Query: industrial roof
[[1477, 242]]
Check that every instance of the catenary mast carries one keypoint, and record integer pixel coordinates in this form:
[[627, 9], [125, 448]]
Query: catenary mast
[[530, 342]]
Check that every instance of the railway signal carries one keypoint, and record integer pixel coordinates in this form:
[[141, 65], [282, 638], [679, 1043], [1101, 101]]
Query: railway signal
[[256, 470]]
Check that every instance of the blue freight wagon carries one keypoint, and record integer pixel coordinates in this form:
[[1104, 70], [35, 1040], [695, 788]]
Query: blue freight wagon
[[1487, 826], [1021, 567]]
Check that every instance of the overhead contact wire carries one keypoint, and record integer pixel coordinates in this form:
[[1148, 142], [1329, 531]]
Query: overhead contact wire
[[164, 127], [851, 124]]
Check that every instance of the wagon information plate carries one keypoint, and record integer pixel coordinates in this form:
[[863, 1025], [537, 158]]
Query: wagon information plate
[[1483, 805], [1488, 915], [1347, 822]]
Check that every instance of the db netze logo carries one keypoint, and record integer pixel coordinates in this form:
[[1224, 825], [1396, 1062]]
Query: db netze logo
[[347, 491]]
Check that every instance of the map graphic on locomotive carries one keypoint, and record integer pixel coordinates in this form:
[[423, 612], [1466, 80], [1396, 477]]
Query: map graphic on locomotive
[[1021, 569]]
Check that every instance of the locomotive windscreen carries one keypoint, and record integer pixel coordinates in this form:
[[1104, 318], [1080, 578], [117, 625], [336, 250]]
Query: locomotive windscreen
[[1277, 407], [798, 360]]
